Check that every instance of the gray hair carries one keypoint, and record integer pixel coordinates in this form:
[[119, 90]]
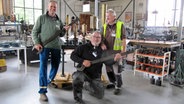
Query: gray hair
[[111, 11], [53, 1], [96, 32]]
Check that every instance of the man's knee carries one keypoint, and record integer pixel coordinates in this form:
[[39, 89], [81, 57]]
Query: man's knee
[[77, 77], [99, 89]]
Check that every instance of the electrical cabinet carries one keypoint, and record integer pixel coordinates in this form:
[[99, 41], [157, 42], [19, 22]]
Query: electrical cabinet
[[152, 62]]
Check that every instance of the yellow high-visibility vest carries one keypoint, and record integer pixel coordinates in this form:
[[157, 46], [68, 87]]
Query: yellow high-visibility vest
[[118, 41]]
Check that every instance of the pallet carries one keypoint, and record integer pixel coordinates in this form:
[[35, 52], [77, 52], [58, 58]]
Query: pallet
[[104, 79], [65, 82], [62, 81]]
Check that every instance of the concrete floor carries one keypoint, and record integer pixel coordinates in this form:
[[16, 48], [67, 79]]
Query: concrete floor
[[18, 88]]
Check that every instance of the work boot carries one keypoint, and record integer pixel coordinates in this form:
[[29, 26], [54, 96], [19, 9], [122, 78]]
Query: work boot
[[110, 85], [53, 85], [43, 97], [117, 91], [79, 102]]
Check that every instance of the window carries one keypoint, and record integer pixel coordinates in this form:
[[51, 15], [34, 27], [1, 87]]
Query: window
[[86, 6], [28, 10], [164, 12]]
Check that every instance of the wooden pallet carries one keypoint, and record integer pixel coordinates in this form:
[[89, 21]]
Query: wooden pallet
[[104, 79], [66, 80], [62, 81]]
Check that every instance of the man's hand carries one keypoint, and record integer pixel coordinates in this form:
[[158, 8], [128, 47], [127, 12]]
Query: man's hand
[[124, 56], [66, 27], [86, 63], [38, 47], [117, 57], [103, 46]]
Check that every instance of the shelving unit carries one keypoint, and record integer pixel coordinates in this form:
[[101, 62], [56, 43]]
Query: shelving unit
[[152, 64]]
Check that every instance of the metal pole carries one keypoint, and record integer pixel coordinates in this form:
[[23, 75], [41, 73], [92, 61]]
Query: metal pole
[[71, 10], [96, 8], [96, 12], [60, 9], [180, 23], [124, 9], [174, 18], [133, 20]]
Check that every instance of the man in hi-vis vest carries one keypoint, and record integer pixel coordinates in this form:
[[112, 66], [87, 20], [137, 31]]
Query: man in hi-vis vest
[[114, 42]]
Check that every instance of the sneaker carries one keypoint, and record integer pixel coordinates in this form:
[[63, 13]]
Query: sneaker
[[110, 86], [117, 91], [43, 97], [53, 85], [79, 102]]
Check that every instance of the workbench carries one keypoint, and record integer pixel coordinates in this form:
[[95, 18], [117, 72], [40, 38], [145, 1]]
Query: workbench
[[18, 55], [162, 44]]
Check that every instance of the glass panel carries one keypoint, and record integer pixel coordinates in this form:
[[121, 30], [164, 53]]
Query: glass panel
[[37, 14], [25, 12], [38, 4], [159, 14], [86, 8], [29, 3], [29, 16], [19, 12], [177, 20], [163, 15], [19, 3]]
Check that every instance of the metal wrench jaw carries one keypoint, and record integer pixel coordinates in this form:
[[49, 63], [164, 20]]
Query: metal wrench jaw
[[81, 68]]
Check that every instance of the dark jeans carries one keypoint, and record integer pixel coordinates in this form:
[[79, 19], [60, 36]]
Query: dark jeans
[[55, 61], [96, 87]]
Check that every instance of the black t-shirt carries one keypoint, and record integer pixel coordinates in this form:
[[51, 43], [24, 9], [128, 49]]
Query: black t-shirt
[[88, 52]]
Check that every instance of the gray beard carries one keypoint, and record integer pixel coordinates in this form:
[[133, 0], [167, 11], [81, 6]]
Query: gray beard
[[96, 44]]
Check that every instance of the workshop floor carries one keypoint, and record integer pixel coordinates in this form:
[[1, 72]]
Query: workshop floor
[[18, 88]]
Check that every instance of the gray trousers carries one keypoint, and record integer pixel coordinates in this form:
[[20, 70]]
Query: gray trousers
[[95, 86], [114, 74], [117, 68]]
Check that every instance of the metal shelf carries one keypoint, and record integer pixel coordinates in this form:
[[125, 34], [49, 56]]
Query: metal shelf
[[164, 67]]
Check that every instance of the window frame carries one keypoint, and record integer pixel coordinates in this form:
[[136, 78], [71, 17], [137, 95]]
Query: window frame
[[174, 14], [33, 9]]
